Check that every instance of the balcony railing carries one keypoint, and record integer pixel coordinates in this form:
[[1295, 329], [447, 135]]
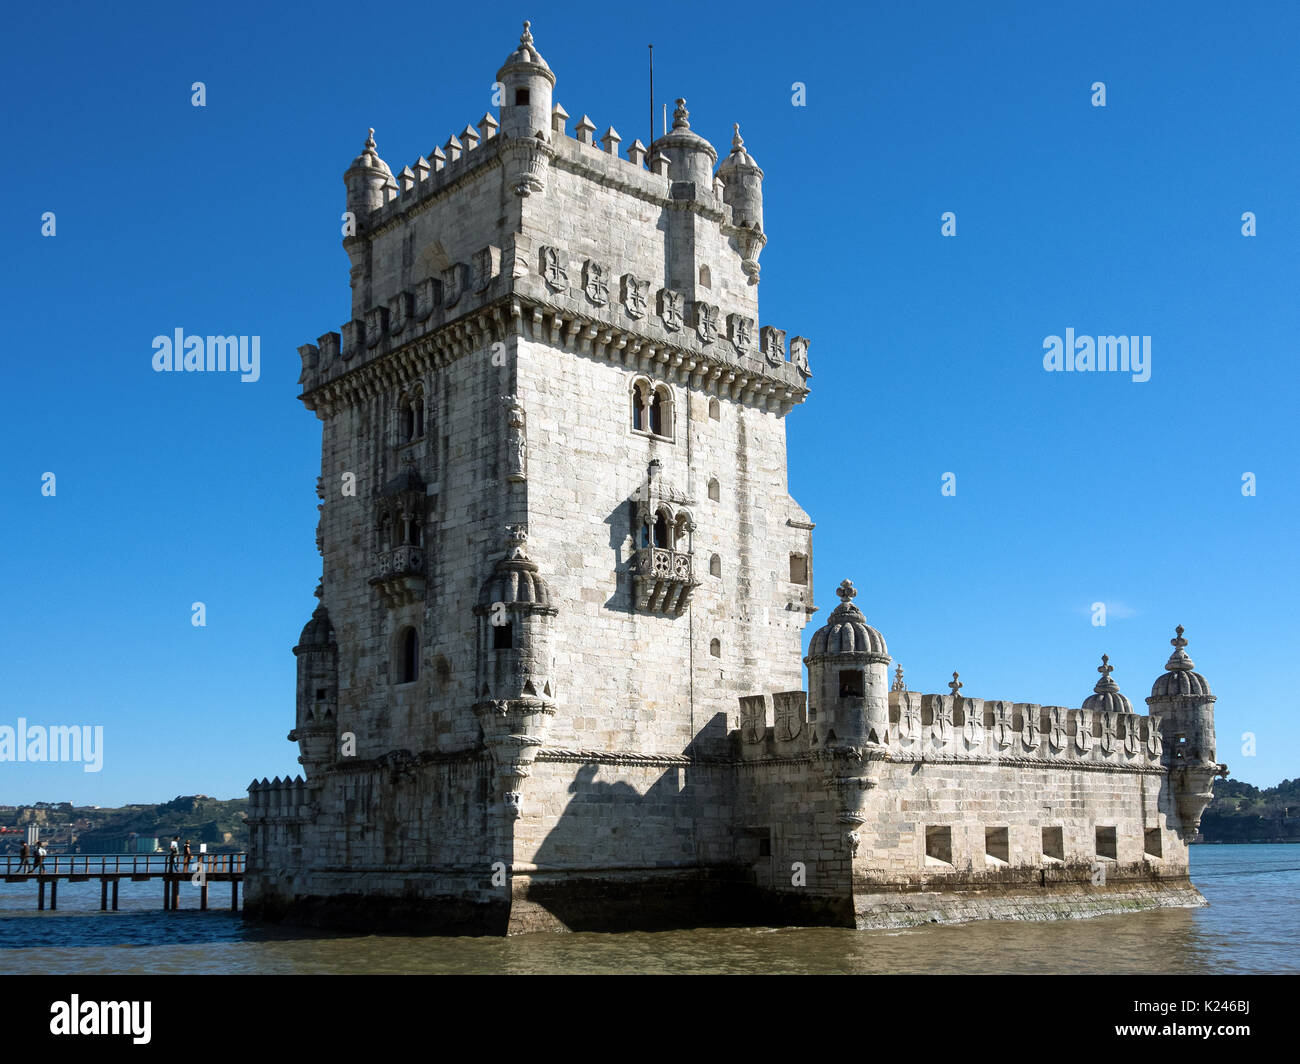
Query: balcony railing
[[664, 580], [399, 574]]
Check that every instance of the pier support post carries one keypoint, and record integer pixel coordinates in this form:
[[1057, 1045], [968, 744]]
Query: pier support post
[[234, 895], [40, 895], [167, 894], [54, 894], [203, 896], [115, 895], [176, 892], [103, 895]]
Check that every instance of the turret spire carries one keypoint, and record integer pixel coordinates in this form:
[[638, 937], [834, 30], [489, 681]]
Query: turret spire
[[1178, 660]]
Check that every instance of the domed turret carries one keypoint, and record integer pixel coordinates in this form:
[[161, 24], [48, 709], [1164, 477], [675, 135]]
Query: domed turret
[[848, 679], [1106, 697], [1183, 707], [526, 83], [742, 185], [318, 692], [515, 687], [690, 156], [368, 180], [1179, 677]]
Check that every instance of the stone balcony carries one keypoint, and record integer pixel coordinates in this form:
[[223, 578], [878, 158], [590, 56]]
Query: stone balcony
[[664, 580], [399, 575]]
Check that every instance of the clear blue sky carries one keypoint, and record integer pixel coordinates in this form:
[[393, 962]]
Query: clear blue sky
[[927, 351]]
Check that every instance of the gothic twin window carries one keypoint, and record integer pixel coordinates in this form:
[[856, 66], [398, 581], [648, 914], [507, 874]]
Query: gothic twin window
[[410, 417], [398, 529], [669, 531], [652, 409]]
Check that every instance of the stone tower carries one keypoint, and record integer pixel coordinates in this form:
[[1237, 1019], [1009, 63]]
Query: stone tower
[[555, 525], [564, 584]]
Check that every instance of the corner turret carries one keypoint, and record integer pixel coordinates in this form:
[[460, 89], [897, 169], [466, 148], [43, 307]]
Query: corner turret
[[848, 678], [514, 681], [1184, 707], [742, 191], [526, 83], [368, 180], [318, 693]]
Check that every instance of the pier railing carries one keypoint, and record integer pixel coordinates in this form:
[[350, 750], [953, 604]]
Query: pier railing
[[125, 864]]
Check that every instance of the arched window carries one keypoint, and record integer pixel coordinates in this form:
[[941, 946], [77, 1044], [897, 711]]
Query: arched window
[[715, 648], [706, 280], [715, 410], [410, 656], [715, 566], [640, 403], [385, 531], [661, 529], [407, 431], [715, 493], [417, 413], [412, 530], [681, 532], [661, 411]]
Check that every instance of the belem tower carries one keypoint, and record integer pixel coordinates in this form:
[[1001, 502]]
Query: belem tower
[[555, 676]]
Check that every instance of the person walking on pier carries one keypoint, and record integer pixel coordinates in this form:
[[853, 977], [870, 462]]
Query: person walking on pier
[[173, 851], [25, 858], [40, 858], [188, 855]]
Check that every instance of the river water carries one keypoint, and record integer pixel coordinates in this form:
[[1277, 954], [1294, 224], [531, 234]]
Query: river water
[[1252, 925]]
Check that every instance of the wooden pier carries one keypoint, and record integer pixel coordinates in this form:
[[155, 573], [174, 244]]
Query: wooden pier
[[110, 869]]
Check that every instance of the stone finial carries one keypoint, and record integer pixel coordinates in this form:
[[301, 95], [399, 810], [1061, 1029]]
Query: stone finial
[[955, 685], [439, 158], [1178, 660], [470, 136], [370, 140], [526, 37], [659, 164], [681, 116], [454, 148], [558, 117], [737, 141], [847, 592], [611, 140], [421, 169], [584, 130], [1106, 685], [488, 126], [407, 178], [636, 153], [898, 679]]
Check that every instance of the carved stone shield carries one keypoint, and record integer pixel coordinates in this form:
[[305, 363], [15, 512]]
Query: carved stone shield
[[753, 718], [553, 271], [595, 282], [1056, 736], [634, 296]]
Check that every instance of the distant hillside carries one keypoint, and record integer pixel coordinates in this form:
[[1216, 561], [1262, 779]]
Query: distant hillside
[[1240, 812], [84, 829]]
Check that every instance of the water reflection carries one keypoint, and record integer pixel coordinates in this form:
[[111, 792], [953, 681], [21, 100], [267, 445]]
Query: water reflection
[[1251, 926]]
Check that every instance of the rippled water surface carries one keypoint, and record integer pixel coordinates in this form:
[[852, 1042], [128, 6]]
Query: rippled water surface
[[1252, 925]]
